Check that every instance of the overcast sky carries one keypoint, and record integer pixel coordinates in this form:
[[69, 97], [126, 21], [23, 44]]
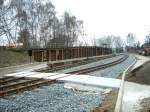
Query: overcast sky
[[109, 17]]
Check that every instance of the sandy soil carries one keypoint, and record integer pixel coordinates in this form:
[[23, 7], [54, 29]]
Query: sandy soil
[[142, 76], [145, 105], [109, 102]]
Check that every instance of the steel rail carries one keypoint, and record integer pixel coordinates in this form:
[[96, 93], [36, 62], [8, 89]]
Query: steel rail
[[7, 79], [9, 89], [78, 63], [91, 69]]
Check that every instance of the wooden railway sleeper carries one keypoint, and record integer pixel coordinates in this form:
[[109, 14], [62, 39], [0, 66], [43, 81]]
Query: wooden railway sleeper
[[99, 67], [11, 80], [27, 87], [4, 87]]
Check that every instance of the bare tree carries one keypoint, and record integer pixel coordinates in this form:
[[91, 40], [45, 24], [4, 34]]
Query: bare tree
[[118, 42], [33, 22], [147, 38], [7, 21], [47, 21], [130, 39], [66, 31], [94, 42], [106, 40]]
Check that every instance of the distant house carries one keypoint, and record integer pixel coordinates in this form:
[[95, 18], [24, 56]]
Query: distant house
[[130, 49], [12, 45], [146, 45], [146, 48], [19, 45]]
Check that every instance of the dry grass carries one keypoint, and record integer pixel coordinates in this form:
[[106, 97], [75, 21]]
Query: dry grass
[[109, 103], [10, 58]]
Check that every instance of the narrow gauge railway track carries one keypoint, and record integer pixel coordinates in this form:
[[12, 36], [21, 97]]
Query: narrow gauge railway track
[[92, 69], [10, 79], [6, 79], [22, 86], [11, 85], [54, 69]]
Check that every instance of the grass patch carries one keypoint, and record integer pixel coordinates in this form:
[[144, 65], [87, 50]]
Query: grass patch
[[11, 57]]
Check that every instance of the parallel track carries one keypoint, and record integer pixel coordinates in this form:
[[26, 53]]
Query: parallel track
[[92, 69], [12, 85], [54, 69]]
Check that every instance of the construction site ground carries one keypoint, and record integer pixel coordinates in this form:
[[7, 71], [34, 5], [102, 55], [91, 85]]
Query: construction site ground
[[140, 76]]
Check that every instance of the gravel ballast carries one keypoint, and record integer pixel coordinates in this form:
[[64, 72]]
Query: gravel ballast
[[54, 98], [101, 62], [114, 71]]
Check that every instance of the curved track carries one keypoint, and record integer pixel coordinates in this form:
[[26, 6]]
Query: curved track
[[12, 85], [92, 69], [74, 64]]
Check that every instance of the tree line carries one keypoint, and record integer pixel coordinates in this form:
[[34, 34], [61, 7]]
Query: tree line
[[35, 24], [116, 41], [147, 39]]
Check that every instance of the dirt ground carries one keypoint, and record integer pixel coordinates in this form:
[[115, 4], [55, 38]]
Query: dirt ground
[[141, 76], [12, 58], [109, 102], [145, 105]]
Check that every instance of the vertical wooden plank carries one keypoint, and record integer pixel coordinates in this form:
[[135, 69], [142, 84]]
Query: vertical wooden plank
[[92, 51], [103, 50], [78, 52], [71, 53], [75, 53], [96, 51], [62, 55], [56, 54], [81, 51], [32, 56], [86, 52], [50, 56], [42, 56]]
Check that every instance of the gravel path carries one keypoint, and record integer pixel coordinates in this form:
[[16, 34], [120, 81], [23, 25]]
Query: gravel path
[[56, 98]]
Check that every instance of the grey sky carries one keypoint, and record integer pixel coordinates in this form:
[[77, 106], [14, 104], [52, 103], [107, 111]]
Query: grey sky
[[109, 17]]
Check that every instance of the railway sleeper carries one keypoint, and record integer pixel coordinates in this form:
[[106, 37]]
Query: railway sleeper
[[24, 82], [79, 63], [92, 69], [3, 78], [12, 80], [26, 87]]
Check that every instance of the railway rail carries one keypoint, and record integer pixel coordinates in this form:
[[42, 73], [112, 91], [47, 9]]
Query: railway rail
[[12, 85], [54, 69], [92, 69]]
